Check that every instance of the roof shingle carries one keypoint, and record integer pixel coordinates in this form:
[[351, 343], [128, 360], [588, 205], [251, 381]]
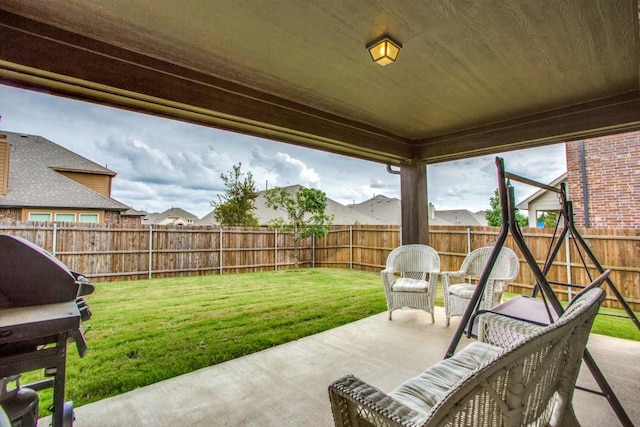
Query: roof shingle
[[34, 181]]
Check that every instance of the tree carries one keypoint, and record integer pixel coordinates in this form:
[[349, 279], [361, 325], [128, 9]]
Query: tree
[[238, 204], [305, 214], [494, 217]]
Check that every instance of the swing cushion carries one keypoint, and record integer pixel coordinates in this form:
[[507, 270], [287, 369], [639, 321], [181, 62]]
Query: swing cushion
[[530, 381], [462, 290], [424, 391]]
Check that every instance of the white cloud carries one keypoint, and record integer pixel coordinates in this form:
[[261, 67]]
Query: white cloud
[[163, 163]]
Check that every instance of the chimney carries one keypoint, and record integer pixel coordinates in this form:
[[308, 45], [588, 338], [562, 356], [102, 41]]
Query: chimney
[[432, 211], [4, 164]]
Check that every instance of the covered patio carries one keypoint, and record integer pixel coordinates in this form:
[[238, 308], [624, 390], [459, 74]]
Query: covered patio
[[287, 385], [471, 78]]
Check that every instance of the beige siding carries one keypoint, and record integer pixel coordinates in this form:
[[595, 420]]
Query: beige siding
[[547, 202], [98, 183]]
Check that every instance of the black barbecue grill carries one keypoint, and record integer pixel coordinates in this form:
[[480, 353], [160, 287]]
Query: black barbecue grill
[[41, 309]]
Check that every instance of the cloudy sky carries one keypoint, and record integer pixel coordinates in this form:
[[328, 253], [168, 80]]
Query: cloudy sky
[[163, 163]]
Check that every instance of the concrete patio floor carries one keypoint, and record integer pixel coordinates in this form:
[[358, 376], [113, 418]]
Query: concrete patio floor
[[287, 385]]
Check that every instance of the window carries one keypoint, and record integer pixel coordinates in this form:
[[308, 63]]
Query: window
[[65, 217], [92, 218], [39, 216]]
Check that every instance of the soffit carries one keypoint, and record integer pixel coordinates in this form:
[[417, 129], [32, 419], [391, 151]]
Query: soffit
[[472, 77]]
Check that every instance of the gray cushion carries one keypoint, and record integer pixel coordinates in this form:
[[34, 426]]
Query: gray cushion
[[462, 290], [424, 391], [405, 284]]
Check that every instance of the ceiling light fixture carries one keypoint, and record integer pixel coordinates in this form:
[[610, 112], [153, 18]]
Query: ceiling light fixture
[[384, 50]]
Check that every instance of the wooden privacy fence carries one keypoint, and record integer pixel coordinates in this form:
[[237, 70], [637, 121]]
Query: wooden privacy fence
[[107, 252]]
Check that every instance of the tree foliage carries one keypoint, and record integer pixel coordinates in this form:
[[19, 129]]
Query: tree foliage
[[305, 213], [494, 217], [237, 205]]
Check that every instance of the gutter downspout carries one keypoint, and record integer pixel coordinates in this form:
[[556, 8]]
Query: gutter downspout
[[390, 170], [585, 193]]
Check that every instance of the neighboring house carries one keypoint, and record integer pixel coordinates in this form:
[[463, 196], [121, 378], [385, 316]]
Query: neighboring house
[[173, 216], [542, 201], [343, 215], [603, 176], [132, 216], [379, 210], [603, 183], [42, 181], [384, 209], [456, 217], [388, 211]]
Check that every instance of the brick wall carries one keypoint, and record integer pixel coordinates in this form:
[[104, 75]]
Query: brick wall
[[10, 214], [130, 220], [612, 179], [112, 217]]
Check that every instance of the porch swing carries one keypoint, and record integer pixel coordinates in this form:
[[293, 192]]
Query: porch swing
[[546, 309]]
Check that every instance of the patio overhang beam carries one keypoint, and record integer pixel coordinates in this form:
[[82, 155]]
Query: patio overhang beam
[[48, 59], [600, 118]]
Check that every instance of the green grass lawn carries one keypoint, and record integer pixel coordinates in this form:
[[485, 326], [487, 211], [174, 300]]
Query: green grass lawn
[[147, 331]]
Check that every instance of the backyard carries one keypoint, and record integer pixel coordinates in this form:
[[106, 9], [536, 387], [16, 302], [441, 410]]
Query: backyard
[[147, 331]]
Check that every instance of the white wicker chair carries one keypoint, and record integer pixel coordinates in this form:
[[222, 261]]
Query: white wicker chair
[[530, 382], [458, 288], [405, 278]]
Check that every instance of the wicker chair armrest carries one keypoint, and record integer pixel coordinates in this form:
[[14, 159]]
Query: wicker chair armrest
[[449, 277], [433, 275], [453, 274], [388, 277], [354, 403], [503, 331], [504, 280]]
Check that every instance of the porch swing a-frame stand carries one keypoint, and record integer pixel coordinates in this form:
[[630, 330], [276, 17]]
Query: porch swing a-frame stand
[[509, 224]]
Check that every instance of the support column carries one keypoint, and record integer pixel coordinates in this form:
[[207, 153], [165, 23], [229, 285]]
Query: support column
[[413, 196]]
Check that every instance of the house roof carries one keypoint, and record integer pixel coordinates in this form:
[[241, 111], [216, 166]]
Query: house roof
[[472, 78], [172, 214], [343, 215], [134, 213], [379, 210], [458, 217], [524, 205], [384, 209], [34, 180]]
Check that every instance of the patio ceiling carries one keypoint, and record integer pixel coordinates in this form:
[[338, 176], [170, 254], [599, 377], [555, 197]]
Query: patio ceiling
[[473, 77]]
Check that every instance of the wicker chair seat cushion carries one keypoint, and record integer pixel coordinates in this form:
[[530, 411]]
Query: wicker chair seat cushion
[[462, 290], [406, 284], [424, 391]]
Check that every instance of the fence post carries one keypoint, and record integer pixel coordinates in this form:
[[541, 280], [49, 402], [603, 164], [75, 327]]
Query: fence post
[[55, 238], [568, 263], [221, 252], [275, 247], [150, 251], [313, 251], [351, 247], [468, 240]]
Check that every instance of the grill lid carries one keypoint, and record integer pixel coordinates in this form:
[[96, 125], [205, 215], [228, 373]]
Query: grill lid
[[29, 275]]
